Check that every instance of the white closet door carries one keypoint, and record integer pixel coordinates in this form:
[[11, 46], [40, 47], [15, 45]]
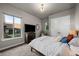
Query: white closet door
[[61, 24]]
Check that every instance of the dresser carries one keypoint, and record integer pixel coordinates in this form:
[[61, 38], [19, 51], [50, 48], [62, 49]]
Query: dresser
[[29, 37]]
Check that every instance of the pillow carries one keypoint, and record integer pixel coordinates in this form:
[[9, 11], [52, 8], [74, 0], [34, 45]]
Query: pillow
[[69, 37], [74, 41], [64, 40], [58, 38]]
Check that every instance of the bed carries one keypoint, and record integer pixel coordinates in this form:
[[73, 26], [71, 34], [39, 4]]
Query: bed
[[50, 46]]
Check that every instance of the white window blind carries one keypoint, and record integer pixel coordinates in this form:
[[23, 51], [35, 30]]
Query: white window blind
[[60, 25]]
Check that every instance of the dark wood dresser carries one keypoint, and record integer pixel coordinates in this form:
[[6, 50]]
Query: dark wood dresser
[[30, 36]]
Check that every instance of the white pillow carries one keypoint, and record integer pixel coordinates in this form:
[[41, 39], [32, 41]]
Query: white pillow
[[75, 41], [58, 38]]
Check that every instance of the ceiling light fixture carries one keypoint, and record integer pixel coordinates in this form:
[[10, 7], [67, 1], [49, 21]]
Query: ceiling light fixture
[[42, 7]]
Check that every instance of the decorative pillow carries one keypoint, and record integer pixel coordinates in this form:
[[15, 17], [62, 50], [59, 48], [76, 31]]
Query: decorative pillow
[[69, 37], [64, 40]]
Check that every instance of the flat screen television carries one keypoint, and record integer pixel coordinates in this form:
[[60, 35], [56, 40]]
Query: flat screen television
[[29, 28]]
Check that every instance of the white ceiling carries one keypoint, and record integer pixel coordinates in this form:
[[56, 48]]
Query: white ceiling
[[49, 8]]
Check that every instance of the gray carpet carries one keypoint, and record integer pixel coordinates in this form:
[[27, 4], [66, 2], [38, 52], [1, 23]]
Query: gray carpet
[[23, 50]]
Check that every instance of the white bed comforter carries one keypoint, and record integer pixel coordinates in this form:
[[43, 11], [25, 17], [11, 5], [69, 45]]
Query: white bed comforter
[[49, 47]]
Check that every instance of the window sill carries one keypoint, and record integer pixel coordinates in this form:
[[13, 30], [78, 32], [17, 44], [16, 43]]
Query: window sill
[[5, 39]]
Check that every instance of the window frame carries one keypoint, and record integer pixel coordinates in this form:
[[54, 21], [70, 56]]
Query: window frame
[[13, 37]]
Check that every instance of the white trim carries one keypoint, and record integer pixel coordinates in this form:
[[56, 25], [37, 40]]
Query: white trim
[[13, 26], [2, 27], [11, 46], [10, 38]]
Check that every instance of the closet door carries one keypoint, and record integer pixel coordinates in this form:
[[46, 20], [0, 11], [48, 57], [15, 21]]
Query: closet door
[[60, 25]]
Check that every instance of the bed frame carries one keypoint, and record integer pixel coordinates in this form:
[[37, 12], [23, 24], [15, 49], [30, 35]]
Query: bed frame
[[32, 49]]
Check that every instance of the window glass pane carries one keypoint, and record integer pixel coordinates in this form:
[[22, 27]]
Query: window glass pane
[[46, 26], [8, 26], [8, 19], [17, 27]]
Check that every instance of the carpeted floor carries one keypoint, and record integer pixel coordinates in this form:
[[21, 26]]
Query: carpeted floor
[[23, 50]]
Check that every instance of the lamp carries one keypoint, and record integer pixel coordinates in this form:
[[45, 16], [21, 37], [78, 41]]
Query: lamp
[[74, 32], [42, 7]]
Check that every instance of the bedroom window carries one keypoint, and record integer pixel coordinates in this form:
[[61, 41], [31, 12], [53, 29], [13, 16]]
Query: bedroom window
[[46, 26], [12, 27]]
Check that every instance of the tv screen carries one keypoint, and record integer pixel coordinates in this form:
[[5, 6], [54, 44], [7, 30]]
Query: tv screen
[[29, 28]]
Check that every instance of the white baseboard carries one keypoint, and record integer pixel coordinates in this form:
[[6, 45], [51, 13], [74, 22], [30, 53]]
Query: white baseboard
[[10, 46]]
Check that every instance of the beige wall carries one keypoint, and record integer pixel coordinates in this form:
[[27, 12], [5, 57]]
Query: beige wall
[[26, 19]]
